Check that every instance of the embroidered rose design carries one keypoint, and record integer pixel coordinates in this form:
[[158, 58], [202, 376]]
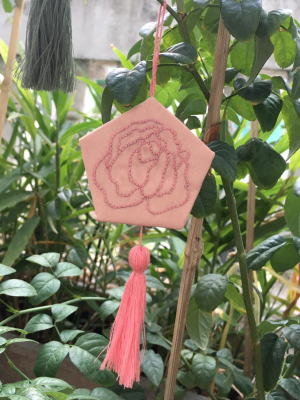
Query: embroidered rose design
[[144, 163]]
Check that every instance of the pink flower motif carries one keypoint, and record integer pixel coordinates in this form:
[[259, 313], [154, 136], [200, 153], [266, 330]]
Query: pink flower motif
[[145, 162]]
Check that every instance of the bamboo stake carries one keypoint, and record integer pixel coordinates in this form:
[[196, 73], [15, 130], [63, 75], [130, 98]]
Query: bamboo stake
[[249, 246], [194, 246], [12, 52]]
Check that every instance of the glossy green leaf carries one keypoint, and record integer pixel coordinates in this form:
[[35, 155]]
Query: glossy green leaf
[[268, 111], [17, 288], [39, 322], [49, 359], [67, 269], [20, 240], [272, 353], [69, 334], [62, 311], [107, 308], [206, 199], [256, 92], [261, 254], [45, 285], [198, 325], [276, 18], [235, 297], [292, 213], [54, 208], [153, 367], [124, 84], [210, 291], [7, 6], [295, 32], [183, 53], [263, 50], [106, 105], [45, 260], [204, 368], [292, 125], [147, 30], [243, 108], [12, 198], [32, 393], [291, 386], [284, 48], [292, 334], [276, 395], [186, 378], [242, 382], [159, 341], [83, 354], [241, 19], [135, 49], [286, 257], [193, 122], [78, 255], [225, 160], [4, 270], [242, 56]]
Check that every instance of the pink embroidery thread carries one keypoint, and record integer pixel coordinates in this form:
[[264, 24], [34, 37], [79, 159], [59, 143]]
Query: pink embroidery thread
[[162, 144]]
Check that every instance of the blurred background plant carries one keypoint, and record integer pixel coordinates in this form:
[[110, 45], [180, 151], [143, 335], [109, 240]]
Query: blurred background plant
[[69, 270]]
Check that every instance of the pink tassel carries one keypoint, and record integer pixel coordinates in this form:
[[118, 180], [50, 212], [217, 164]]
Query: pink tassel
[[123, 354]]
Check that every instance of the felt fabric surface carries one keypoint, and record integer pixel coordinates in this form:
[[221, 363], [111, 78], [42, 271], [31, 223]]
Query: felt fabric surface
[[145, 167]]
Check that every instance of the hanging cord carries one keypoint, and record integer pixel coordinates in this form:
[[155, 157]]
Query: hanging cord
[[158, 36], [141, 236]]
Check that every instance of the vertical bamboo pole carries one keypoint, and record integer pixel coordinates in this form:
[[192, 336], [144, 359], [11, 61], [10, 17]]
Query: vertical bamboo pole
[[249, 245], [12, 52], [194, 246]]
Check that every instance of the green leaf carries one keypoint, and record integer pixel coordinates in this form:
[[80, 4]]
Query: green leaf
[[272, 353], [183, 53], [154, 283], [4, 270], [268, 111], [261, 254], [210, 291], [51, 383], [276, 395], [69, 334], [104, 394], [256, 92], [204, 368], [32, 393], [206, 199], [46, 260], [10, 199], [224, 381], [193, 123], [263, 50], [39, 322], [284, 48], [17, 288], [243, 108], [234, 296], [242, 56], [241, 19], [20, 240], [292, 212], [186, 378], [18, 340], [291, 386], [242, 382], [49, 359], [198, 325], [195, 107], [62, 311], [135, 49], [266, 165], [107, 308], [286, 257], [7, 6], [106, 105], [54, 208], [292, 125], [67, 269], [78, 255], [225, 160], [159, 341], [4, 329], [46, 285], [276, 18], [292, 334], [65, 195], [295, 31], [125, 84], [147, 30], [153, 367], [83, 354]]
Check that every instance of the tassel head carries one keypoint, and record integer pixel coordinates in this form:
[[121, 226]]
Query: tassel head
[[139, 259]]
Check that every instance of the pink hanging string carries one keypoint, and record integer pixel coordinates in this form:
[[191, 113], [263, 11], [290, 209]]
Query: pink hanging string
[[158, 36]]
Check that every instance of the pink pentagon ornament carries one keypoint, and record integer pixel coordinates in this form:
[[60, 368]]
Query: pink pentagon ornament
[[145, 167]]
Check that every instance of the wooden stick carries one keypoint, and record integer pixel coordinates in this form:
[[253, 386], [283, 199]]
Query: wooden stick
[[249, 246], [12, 52], [194, 245]]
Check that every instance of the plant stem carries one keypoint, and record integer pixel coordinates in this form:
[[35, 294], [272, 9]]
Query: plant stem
[[227, 327], [295, 363], [42, 308], [171, 11], [14, 367], [245, 284], [200, 82]]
